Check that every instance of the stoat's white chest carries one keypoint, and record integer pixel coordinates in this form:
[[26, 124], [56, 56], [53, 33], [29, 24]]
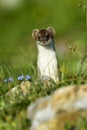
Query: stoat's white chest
[[47, 62]]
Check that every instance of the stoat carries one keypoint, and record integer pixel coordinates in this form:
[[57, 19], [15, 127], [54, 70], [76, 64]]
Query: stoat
[[47, 62]]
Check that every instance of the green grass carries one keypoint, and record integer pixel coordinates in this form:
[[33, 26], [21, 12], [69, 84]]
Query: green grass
[[13, 114], [81, 124]]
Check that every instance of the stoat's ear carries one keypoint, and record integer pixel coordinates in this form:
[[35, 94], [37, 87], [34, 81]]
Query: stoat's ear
[[51, 31], [35, 33]]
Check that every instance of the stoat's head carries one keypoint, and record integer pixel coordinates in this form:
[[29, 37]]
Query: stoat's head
[[43, 36]]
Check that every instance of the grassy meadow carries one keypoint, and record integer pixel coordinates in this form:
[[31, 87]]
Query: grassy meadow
[[18, 52]]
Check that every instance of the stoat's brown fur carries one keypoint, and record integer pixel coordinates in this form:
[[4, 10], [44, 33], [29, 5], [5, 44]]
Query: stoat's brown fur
[[47, 62]]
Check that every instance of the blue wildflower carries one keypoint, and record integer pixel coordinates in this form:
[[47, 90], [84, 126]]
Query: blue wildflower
[[6, 80], [27, 77], [10, 79], [20, 78]]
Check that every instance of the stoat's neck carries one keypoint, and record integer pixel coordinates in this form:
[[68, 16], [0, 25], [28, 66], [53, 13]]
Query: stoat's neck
[[49, 47]]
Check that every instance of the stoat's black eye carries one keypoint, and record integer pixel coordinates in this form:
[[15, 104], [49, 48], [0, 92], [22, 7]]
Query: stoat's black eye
[[39, 36], [47, 37]]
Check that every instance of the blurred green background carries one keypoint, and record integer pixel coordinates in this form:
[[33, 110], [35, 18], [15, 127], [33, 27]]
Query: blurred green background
[[19, 17], [18, 50]]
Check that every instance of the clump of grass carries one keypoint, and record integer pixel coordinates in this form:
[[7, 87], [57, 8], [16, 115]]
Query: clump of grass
[[81, 124]]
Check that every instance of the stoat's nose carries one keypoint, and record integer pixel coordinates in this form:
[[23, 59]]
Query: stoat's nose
[[42, 39]]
